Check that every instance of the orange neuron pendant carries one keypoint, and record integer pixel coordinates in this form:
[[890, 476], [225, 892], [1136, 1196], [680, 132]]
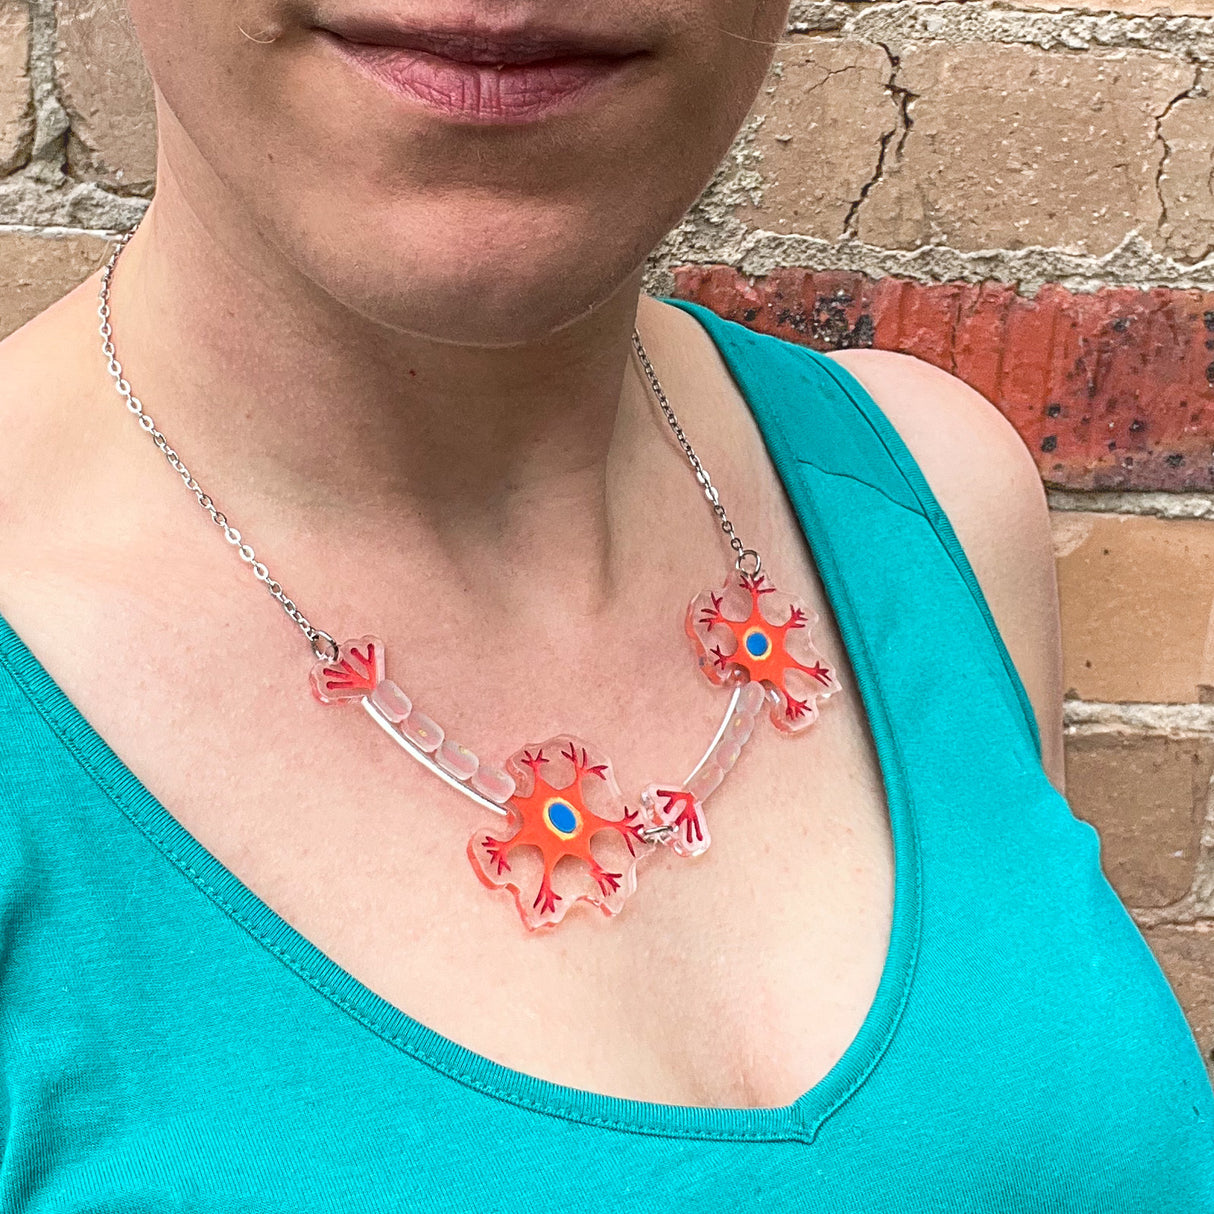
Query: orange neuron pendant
[[569, 835]]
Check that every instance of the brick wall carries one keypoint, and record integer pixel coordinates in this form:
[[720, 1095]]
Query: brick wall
[[1022, 194]]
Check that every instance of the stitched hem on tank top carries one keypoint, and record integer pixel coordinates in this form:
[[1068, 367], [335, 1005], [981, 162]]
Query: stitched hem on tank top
[[934, 513], [796, 1121]]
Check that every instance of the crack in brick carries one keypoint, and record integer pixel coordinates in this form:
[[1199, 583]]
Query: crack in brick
[[830, 74], [1195, 90], [903, 98], [853, 209]]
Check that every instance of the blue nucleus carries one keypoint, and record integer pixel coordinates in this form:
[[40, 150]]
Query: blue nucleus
[[562, 818], [757, 644]]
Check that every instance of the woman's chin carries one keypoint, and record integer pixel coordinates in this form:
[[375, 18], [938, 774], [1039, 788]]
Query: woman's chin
[[501, 299]]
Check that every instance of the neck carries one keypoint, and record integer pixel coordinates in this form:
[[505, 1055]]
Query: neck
[[297, 403]]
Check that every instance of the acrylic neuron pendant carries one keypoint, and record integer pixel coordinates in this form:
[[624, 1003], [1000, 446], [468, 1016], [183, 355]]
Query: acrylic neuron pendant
[[748, 629], [568, 836], [566, 799]]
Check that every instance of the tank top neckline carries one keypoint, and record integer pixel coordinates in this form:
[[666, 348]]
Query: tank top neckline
[[796, 1121]]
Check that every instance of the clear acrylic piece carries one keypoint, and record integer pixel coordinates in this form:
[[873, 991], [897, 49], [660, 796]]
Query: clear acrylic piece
[[457, 759], [726, 753], [493, 783], [423, 732], [752, 699], [706, 781], [391, 701]]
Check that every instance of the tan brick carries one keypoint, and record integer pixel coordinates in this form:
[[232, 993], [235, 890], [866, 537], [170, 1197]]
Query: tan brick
[[107, 92], [1186, 957], [1185, 184], [812, 174], [16, 99], [1136, 595], [1013, 146], [37, 270], [1146, 795]]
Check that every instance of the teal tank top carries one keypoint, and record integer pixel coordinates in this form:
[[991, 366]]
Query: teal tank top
[[168, 1043]]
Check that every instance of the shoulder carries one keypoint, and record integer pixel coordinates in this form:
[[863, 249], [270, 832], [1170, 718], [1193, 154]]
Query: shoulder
[[43, 378], [23, 408], [987, 483], [969, 452]]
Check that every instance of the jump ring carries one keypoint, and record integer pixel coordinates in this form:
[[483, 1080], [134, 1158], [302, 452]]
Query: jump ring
[[749, 557]]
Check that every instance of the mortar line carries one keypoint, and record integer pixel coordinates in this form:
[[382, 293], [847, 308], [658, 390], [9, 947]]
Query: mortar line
[[1149, 503], [1067, 31], [48, 161], [716, 238], [1087, 718]]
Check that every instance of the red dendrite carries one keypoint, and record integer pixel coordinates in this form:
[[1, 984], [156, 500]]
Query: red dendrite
[[550, 813], [739, 634], [756, 583], [545, 901], [609, 883], [712, 615], [354, 673], [496, 852], [679, 809], [533, 760], [632, 830]]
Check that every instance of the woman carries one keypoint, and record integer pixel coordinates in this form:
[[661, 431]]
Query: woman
[[383, 305]]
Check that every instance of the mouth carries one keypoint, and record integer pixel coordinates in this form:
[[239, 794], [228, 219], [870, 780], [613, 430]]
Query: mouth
[[477, 75]]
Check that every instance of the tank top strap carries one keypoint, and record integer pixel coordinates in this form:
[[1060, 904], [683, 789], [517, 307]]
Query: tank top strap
[[867, 511]]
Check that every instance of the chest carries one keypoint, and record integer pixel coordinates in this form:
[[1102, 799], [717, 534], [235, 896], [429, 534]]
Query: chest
[[1018, 1063], [737, 977]]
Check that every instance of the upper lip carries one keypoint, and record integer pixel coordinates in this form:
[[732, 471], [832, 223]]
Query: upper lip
[[470, 42]]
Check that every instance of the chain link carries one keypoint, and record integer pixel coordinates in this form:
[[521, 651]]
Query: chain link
[[323, 645], [748, 560]]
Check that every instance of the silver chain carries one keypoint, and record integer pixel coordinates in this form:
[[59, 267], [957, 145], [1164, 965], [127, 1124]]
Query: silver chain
[[323, 645], [747, 558]]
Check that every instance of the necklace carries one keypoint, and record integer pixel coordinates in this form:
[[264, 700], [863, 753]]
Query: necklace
[[559, 798]]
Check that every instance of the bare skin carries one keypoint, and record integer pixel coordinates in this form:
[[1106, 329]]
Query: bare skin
[[125, 591], [507, 510]]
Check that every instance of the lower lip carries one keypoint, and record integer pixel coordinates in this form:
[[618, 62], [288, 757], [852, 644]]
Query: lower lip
[[477, 92]]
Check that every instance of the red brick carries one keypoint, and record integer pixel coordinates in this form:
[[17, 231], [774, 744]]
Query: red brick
[[1111, 390], [978, 344]]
